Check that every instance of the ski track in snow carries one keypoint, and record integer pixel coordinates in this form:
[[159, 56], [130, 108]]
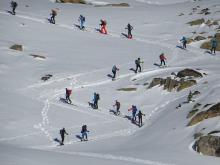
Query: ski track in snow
[[113, 157]]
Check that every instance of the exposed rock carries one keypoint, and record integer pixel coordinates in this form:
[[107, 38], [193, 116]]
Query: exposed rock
[[190, 96], [204, 11], [114, 5], [206, 105], [196, 22], [213, 111], [213, 132], [197, 135], [127, 89], [38, 56], [207, 45], [196, 105], [46, 77], [171, 84], [181, 14], [199, 38], [208, 145], [188, 72], [186, 84], [192, 113], [211, 23], [146, 83], [178, 106], [71, 1], [155, 82], [17, 47]]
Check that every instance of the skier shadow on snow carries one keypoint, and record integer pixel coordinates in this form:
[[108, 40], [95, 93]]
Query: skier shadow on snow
[[109, 75], [208, 51], [92, 105], [156, 64], [64, 100], [98, 30], [178, 46], [10, 12], [58, 141], [79, 137], [125, 35], [76, 25], [130, 118], [79, 27], [49, 20], [132, 70], [113, 112]]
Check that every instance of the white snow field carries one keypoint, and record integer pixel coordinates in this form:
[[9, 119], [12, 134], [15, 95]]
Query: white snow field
[[31, 113]]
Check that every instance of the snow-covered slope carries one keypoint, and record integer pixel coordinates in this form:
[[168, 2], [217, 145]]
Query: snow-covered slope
[[32, 113]]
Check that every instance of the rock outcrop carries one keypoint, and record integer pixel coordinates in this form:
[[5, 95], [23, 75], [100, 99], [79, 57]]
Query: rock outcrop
[[213, 111], [208, 145], [17, 47], [189, 72], [207, 45], [71, 1], [196, 22], [172, 84]]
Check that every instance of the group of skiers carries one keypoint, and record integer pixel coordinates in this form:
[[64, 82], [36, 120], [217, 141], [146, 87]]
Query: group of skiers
[[84, 136], [138, 68]]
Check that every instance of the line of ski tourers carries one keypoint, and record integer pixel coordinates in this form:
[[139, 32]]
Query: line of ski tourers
[[103, 29], [94, 104]]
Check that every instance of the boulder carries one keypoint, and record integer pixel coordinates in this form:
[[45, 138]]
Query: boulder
[[155, 82], [208, 145], [192, 113], [188, 72], [171, 84], [207, 45], [46, 77], [17, 47], [71, 1], [196, 22], [199, 38], [213, 111], [186, 84]]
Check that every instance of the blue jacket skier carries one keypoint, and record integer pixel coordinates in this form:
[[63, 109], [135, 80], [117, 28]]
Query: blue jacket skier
[[95, 99], [82, 20], [184, 41], [84, 133], [214, 44], [133, 109]]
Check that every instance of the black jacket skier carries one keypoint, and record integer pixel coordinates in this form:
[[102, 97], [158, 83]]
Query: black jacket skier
[[138, 65], [13, 6], [62, 134], [130, 28], [140, 114]]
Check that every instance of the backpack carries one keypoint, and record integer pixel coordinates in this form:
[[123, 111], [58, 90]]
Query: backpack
[[83, 19], [97, 96], [54, 12], [84, 128], [136, 62]]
